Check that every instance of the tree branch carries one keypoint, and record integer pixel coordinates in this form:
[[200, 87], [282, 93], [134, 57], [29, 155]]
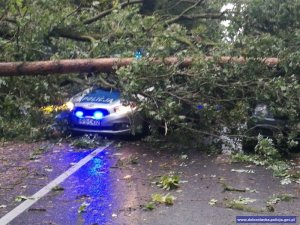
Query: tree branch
[[65, 33], [106, 83], [106, 64], [204, 16], [107, 12], [173, 20]]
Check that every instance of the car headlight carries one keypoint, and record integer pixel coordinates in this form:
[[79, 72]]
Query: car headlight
[[124, 109], [98, 115], [70, 105], [261, 110]]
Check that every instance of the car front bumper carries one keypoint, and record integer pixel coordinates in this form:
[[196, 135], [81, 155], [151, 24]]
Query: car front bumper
[[118, 124]]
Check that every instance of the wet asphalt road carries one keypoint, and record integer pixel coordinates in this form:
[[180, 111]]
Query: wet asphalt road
[[116, 184]]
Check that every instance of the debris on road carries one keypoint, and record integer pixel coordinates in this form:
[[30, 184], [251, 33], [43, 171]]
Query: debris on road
[[58, 188], [168, 182], [280, 197], [167, 199], [230, 188], [21, 198], [37, 209], [285, 181], [242, 171], [83, 207], [127, 177], [212, 202]]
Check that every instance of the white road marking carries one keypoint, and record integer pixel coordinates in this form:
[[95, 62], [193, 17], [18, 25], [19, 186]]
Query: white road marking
[[45, 190]]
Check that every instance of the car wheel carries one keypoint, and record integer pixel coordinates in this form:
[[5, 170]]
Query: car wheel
[[248, 144], [141, 130]]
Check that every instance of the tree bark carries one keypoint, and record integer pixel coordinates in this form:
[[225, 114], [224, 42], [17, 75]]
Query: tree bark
[[69, 34], [102, 65]]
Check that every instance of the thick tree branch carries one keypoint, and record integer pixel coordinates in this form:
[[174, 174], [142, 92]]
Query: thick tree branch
[[189, 1], [173, 20], [103, 65], [179, 2], [107, 12], [216, 15], [204, 16], [106, 83], [65, 33], [76, 36]]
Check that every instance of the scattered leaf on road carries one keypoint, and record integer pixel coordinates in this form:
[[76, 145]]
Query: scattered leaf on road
[[48, 169], [167, 199], [37, 209], [57, 188], [280, 197], [230, 188], [242, 171], [127, 177], [118, 154], [244, 201], [21, 198], [82, 208], [212, 202], [149, 206], [119, 145], [168, 182], [183, 157], [285, 181], [251, 190]]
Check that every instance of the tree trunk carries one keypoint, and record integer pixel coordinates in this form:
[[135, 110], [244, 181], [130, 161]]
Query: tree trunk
[[101, 65]]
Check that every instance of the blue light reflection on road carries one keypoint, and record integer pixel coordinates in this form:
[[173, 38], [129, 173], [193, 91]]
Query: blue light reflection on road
[[93, 185]]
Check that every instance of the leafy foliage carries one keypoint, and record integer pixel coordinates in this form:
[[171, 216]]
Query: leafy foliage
[[203, 99], [280, 197], [57, 188], [83, 207], [168, 182], [88, 141], [167, 199], [266, 149], [267, 155], [149, 206]]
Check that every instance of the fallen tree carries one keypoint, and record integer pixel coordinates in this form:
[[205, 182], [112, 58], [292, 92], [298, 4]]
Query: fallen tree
[[103, 65]]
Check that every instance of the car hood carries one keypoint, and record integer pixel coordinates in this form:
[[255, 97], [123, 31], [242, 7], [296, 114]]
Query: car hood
[[96, 96]]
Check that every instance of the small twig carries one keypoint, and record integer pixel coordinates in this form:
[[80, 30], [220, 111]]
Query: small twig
[[230, 188]]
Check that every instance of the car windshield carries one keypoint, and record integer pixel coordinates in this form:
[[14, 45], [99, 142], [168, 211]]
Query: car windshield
[[101, 96]]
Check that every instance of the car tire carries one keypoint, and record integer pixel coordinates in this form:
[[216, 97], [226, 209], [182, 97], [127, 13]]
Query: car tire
[[248, 145]]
